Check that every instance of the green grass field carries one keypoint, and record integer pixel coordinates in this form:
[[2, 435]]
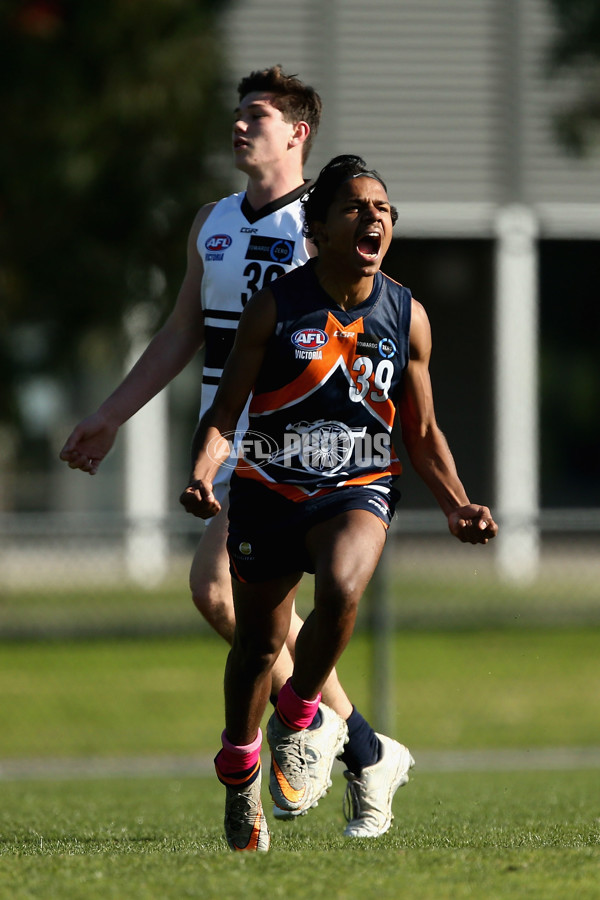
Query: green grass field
[[491, 832], [452, 690], [484, 835]]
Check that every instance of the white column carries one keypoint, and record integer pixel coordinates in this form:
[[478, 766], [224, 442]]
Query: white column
[[516, 393], [146, 472]]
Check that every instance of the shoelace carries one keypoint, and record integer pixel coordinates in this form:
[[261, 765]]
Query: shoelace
[[291, 752], [240, 811], [350, 804]]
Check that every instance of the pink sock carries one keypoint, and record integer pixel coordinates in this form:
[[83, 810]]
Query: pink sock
[[234, 758], [293, 711]]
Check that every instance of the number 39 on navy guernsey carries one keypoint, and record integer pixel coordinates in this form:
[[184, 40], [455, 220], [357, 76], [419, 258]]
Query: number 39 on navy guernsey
[[324, 359]]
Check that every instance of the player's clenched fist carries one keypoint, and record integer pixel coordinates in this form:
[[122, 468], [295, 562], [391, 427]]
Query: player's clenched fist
[[472, 524], [199, 500]]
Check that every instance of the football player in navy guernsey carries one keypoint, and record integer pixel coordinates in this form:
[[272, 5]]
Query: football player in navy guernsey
[[236, 246], [330, 354]]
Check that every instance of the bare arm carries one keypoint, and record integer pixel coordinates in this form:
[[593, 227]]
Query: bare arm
[[169, 351], [427, 447], [239, 376]]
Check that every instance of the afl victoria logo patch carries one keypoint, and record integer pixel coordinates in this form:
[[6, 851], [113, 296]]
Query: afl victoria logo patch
[[309, 339], [217, 243]]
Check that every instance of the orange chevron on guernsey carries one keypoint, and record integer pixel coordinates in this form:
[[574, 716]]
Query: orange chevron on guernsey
[[337, 351], [291, 491], [290, 793], [316, 372], [298, 494], [394, 469], [326, 392]]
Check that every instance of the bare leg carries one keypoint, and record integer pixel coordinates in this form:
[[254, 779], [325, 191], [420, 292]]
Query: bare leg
[[341, 577], [210, 584], [334, 695], [262, 623], [210, 581]]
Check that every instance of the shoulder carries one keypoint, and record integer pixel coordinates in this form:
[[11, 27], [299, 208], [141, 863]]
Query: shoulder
[[399, 297], [420, 330], [200, 219], [260, 315], [419, 316], [302, 274], [224, 205], [298, 281], [396, 287]]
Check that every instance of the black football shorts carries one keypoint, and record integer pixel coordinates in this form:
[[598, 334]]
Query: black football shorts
[[267, 531]]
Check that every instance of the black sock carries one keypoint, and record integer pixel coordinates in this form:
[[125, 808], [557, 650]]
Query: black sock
[[363, 748], [316, 722], [244, 776]]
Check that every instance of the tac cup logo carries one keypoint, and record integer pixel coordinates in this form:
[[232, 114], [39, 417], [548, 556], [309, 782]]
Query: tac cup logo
[[257, 448]]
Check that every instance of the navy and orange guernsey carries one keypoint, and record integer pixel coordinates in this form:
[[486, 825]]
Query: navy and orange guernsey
[[323, 407]]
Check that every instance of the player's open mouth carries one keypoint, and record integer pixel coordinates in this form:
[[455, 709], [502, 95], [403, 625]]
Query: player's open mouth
[[239, 144], [369, 245]]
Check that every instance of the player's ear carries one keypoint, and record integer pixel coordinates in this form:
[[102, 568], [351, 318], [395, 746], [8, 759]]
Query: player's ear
[[300, 133], [319, 232]]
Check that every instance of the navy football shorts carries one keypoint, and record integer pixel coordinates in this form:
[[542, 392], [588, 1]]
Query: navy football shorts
[[267, 531]]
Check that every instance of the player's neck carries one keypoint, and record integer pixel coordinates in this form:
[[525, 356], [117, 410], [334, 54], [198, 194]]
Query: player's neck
[[346, 292], [268, 186]]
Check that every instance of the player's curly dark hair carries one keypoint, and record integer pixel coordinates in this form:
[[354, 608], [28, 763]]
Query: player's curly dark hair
[[319, 196], [298, 102]]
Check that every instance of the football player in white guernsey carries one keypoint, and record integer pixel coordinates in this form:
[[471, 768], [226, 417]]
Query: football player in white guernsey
[[235, 247]]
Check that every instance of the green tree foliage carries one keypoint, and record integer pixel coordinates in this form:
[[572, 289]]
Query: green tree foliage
[[110, 111], [576, 50]]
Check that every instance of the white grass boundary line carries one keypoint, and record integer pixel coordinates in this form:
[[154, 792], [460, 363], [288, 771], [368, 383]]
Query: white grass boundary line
[[518, 760], [515, 760]]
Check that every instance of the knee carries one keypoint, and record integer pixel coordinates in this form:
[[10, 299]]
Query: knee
[[214, 601], [205, 595], [255, 655], [337, 601]]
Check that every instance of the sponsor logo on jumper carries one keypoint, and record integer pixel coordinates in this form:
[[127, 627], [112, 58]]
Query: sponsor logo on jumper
[[245, 548], [387, 348], [373, 345], [269, 249], [344, 334], [367, 344], [246, 230]]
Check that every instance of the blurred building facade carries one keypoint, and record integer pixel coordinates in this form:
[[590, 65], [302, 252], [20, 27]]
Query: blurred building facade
[[451, 99], [454, 102]]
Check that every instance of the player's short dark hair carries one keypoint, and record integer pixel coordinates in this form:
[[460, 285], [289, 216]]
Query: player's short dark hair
[[298, 102], [319, 196]]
